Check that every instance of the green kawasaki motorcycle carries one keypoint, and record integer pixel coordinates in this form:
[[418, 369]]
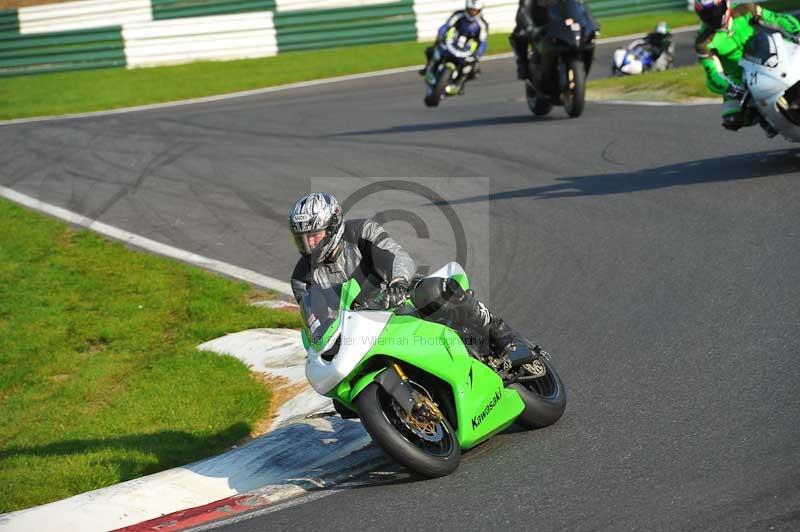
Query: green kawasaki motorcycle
[[423, 390]]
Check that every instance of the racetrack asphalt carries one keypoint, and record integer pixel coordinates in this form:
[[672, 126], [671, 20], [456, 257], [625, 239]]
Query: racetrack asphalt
[[653, 253]]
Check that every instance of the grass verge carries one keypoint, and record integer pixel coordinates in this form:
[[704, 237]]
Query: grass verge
[[675, 85], [76, 92], [100, 381]]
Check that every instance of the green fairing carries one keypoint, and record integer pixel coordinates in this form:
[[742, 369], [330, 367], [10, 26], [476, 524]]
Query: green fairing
[[348, 395], [483, 405], [461, 280]]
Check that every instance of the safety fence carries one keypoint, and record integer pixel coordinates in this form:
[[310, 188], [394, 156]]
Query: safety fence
[[306, 29], [138, 33]]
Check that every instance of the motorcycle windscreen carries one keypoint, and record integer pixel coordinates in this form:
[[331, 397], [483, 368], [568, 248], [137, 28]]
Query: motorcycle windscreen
[[567, 18], [320, 310], [761, 49]]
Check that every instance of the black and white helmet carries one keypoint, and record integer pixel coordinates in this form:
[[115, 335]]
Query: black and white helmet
[[316, 224], [473, 8]]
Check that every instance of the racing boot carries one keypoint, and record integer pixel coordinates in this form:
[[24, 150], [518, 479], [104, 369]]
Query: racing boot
[[428, 55], [503, 340], [519, 44], [506, 343], [445, 301]]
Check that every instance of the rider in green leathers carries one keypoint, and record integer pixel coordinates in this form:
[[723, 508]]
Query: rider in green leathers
[[720, 45]]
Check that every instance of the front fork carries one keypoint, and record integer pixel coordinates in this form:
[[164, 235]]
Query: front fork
[[415, 404], [566, 76], [395, 382]]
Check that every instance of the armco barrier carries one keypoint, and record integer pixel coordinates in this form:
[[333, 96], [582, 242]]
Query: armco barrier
[[167, 9], [308, 29], [9, 22], [84, 14], [164, 42], [607, 8], [86, 34], [55, 52]]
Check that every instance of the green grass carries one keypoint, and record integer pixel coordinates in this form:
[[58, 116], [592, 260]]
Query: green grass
[[100, 381], [644, 22], [674, 85], [74, 92]]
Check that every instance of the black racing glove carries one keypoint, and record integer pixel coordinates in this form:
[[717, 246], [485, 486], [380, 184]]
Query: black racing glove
[[735, 92], [396, 293]]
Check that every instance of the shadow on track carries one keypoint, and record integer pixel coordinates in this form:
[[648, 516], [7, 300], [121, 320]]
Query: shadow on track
[[718, 169], [478, 122]]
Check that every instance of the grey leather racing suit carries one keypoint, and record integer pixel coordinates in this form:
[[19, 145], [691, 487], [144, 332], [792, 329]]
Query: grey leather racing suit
[[370, 256], [367, 253]]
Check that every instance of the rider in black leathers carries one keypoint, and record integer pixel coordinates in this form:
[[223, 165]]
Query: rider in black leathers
[[531, 19]]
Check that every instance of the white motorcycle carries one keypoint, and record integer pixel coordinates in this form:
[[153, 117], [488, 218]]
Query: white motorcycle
[[639, 57], [771, 64]]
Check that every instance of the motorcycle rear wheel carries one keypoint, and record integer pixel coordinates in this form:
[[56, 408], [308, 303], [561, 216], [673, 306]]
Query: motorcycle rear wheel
[[545, 398], [426, 456], [538, 106]]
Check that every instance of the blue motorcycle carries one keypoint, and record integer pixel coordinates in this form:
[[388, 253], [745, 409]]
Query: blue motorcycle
[[453, 63]]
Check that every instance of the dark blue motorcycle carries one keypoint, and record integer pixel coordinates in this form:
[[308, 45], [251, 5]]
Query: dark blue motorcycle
[[453, 64], [561, 56]]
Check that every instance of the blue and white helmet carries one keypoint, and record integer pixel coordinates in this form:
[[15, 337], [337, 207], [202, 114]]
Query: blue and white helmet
[[317, 226], [473, 9]]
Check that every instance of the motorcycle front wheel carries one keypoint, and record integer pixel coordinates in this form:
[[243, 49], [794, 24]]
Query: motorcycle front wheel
[[545, 398], [573, 87], [443, 77], [425, 447]]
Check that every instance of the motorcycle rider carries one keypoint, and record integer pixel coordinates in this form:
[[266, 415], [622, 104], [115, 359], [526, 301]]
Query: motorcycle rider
[[531, 19], [659, 41], [719, 44], [467, 23], [333, 250]]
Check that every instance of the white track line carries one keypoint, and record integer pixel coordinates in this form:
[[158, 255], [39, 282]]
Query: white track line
[[150, 245], [646, 103], [278, 88]]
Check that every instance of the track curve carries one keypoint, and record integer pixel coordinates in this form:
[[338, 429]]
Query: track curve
[[653, 253]]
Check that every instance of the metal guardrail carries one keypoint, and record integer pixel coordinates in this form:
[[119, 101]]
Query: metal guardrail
[[82, 14], [9, 21], [61, 51], [607, 8], [167, 9], [182, 40], [309, 29], [137, 33]]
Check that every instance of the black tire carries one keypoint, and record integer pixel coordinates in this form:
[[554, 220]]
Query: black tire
[[545, 399], [538, 106], [431, 101], [575, 88], [442, 79], [377, 415]]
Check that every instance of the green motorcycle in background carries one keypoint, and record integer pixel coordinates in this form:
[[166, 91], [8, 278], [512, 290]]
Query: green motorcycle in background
[[422, 390]]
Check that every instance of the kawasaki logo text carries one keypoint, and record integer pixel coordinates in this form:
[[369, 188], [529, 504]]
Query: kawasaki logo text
[[477, 420]]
